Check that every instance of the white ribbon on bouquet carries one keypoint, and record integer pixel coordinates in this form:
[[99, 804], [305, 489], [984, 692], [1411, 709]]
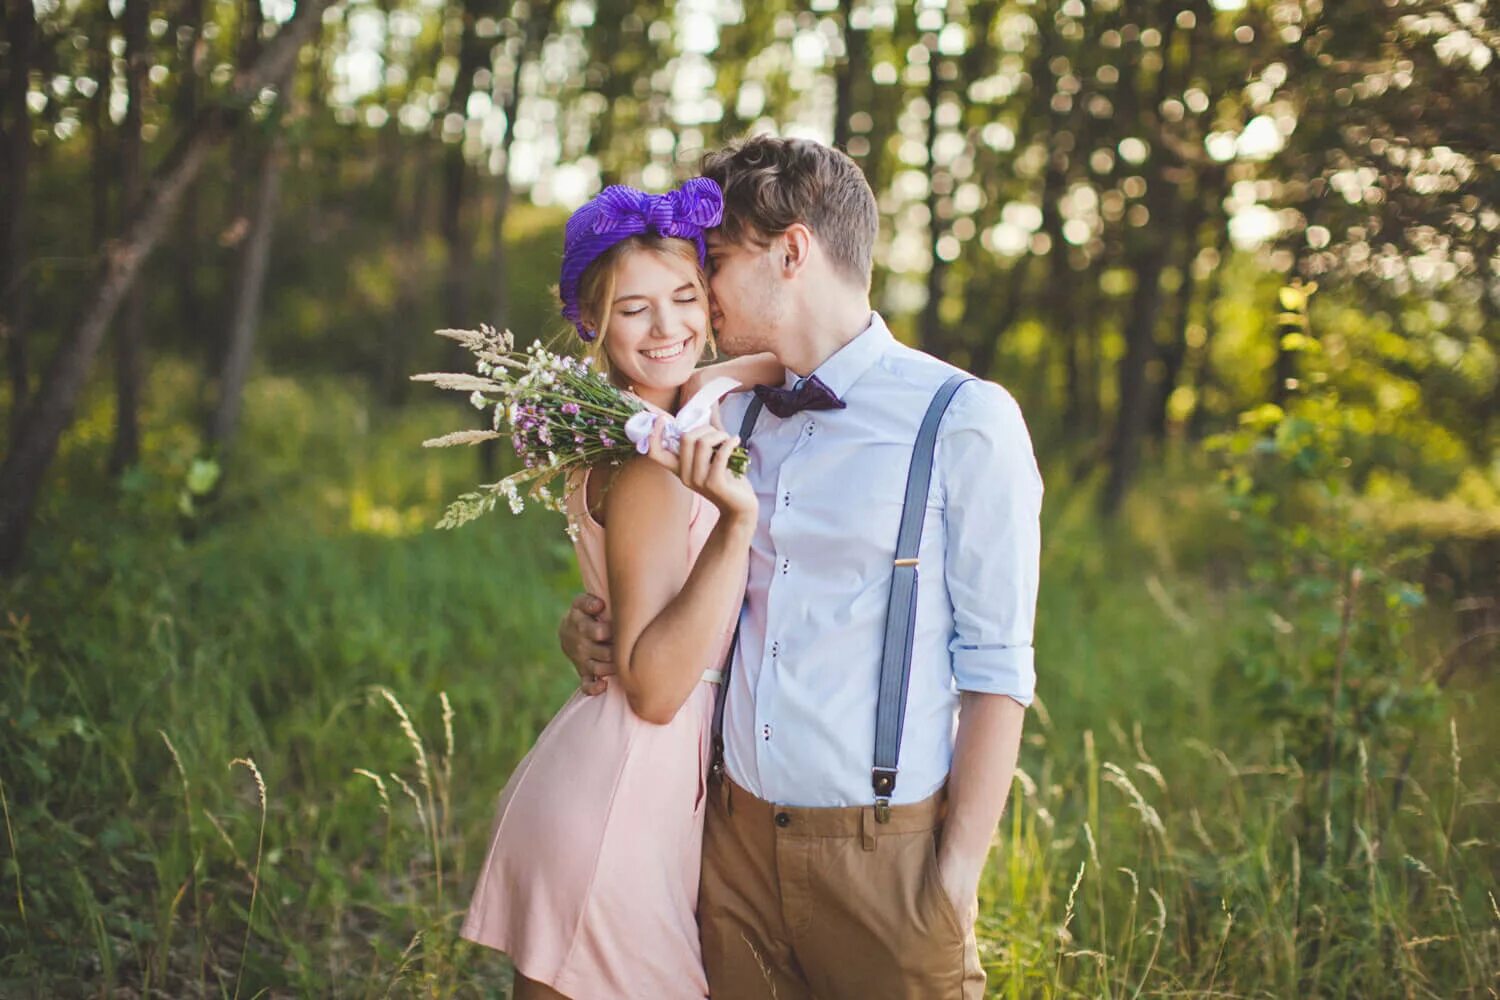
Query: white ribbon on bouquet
[[689, 418]]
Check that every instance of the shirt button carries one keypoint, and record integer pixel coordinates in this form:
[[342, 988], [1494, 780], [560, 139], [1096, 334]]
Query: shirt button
[[786, 499], [783, 820]]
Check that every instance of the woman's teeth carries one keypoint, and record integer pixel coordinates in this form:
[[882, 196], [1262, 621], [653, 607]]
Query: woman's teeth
[[665, 353]]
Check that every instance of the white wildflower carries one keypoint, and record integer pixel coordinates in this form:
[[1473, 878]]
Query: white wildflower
[[512, 496], [459, 437], [477, 400]]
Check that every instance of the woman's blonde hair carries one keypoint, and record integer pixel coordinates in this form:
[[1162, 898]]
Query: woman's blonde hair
[[596, 288]]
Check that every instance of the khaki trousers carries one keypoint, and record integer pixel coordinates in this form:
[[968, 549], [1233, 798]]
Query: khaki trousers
[[828, 903]]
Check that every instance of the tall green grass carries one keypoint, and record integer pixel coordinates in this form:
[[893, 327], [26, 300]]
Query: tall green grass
[[254, 749]]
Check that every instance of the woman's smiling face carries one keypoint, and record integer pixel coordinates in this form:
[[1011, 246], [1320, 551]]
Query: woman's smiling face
[[658, 322]]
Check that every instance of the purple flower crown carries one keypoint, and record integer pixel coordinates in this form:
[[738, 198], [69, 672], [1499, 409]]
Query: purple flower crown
[[620, 212]]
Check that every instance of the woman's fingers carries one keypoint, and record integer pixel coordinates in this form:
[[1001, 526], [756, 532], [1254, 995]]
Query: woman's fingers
[[658, 451], [703, 459], [686, 449], [722, 454], [696, 452]]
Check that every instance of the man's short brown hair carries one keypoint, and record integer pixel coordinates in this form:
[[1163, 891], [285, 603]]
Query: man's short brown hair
[[771, 183]]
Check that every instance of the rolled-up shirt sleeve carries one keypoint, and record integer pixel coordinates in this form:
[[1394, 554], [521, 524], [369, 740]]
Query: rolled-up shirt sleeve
[[992, 501]]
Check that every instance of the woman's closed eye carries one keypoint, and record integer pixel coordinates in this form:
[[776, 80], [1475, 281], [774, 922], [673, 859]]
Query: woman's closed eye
[[684, 299]]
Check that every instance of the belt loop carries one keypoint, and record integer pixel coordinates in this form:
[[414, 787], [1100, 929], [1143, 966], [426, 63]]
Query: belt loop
[[867, 828], [724, 800]]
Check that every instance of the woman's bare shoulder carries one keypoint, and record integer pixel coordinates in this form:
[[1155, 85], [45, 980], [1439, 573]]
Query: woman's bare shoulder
[[635, 489]]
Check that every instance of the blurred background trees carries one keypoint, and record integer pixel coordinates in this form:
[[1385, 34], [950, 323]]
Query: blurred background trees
[[1261, 761], [1091, 202]]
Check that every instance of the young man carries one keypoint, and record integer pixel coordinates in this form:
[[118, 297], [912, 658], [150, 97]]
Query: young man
[[819, 877]]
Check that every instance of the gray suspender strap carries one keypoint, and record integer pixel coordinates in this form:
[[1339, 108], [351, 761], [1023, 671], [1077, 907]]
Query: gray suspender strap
[[716, 762], [901, 613]]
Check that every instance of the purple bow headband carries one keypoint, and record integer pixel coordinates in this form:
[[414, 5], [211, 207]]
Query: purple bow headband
[[620, 212]]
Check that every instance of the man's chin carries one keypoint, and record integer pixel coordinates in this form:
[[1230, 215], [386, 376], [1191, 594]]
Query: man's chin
[[736, 346]]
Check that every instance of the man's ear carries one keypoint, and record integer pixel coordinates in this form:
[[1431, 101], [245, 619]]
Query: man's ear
[[796, 247]]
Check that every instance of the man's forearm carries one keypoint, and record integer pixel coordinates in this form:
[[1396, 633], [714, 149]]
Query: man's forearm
[[984, 762]]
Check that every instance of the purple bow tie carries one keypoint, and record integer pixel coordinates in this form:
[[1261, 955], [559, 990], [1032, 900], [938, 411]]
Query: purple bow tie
[[809, 394]]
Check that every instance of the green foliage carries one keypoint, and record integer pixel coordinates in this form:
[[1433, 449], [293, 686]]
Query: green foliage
[[1152, 842], [1330, 663], [1328, 660]]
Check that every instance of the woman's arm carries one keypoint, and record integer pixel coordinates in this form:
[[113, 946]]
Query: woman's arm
[[668, 613], [750, 371]]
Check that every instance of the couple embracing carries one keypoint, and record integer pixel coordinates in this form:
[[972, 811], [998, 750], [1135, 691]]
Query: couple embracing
[[803, 688]]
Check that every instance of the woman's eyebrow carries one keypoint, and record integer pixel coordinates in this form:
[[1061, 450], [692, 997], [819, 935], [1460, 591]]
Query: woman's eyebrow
[[685, 287]]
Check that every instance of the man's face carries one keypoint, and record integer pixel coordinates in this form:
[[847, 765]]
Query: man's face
[[747, 301]]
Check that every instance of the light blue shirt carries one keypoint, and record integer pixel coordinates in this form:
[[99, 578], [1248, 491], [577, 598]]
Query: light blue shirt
[[799, 723]]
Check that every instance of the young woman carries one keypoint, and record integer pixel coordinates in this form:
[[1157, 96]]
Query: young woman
[[591, 881]]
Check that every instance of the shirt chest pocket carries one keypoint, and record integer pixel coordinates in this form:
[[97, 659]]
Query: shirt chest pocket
[[860, 497]]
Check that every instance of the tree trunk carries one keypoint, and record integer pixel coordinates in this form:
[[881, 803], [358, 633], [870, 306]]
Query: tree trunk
[[1174, 350], [101, 155], [129, 365], [931, 323], [52, 410], [411, 169], [535, 35], [1205, 378], [998, 317], [851, 76], [457, 233], [15, 163], [249, 293], [191, 55], [1150, 258]]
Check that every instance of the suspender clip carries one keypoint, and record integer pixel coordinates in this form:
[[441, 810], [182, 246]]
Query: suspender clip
[[906, 562], [716, 761], [883, 779]]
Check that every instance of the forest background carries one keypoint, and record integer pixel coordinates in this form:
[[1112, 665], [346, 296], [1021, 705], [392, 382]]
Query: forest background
[[1236, 258]]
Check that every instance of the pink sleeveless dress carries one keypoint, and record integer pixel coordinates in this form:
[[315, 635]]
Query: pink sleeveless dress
[[591, 880]]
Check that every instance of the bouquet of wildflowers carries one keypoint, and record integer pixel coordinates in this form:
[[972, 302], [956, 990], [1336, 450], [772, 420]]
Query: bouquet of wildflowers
[[562, 413]]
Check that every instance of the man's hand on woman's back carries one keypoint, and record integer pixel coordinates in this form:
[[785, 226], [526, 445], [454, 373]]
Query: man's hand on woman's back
[[585, 636]]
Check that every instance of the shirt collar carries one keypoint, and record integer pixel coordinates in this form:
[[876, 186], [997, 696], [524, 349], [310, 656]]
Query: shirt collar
[[844, 367]]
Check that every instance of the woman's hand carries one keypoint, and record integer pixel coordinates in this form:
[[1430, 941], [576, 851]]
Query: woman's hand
[[703, 467]]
